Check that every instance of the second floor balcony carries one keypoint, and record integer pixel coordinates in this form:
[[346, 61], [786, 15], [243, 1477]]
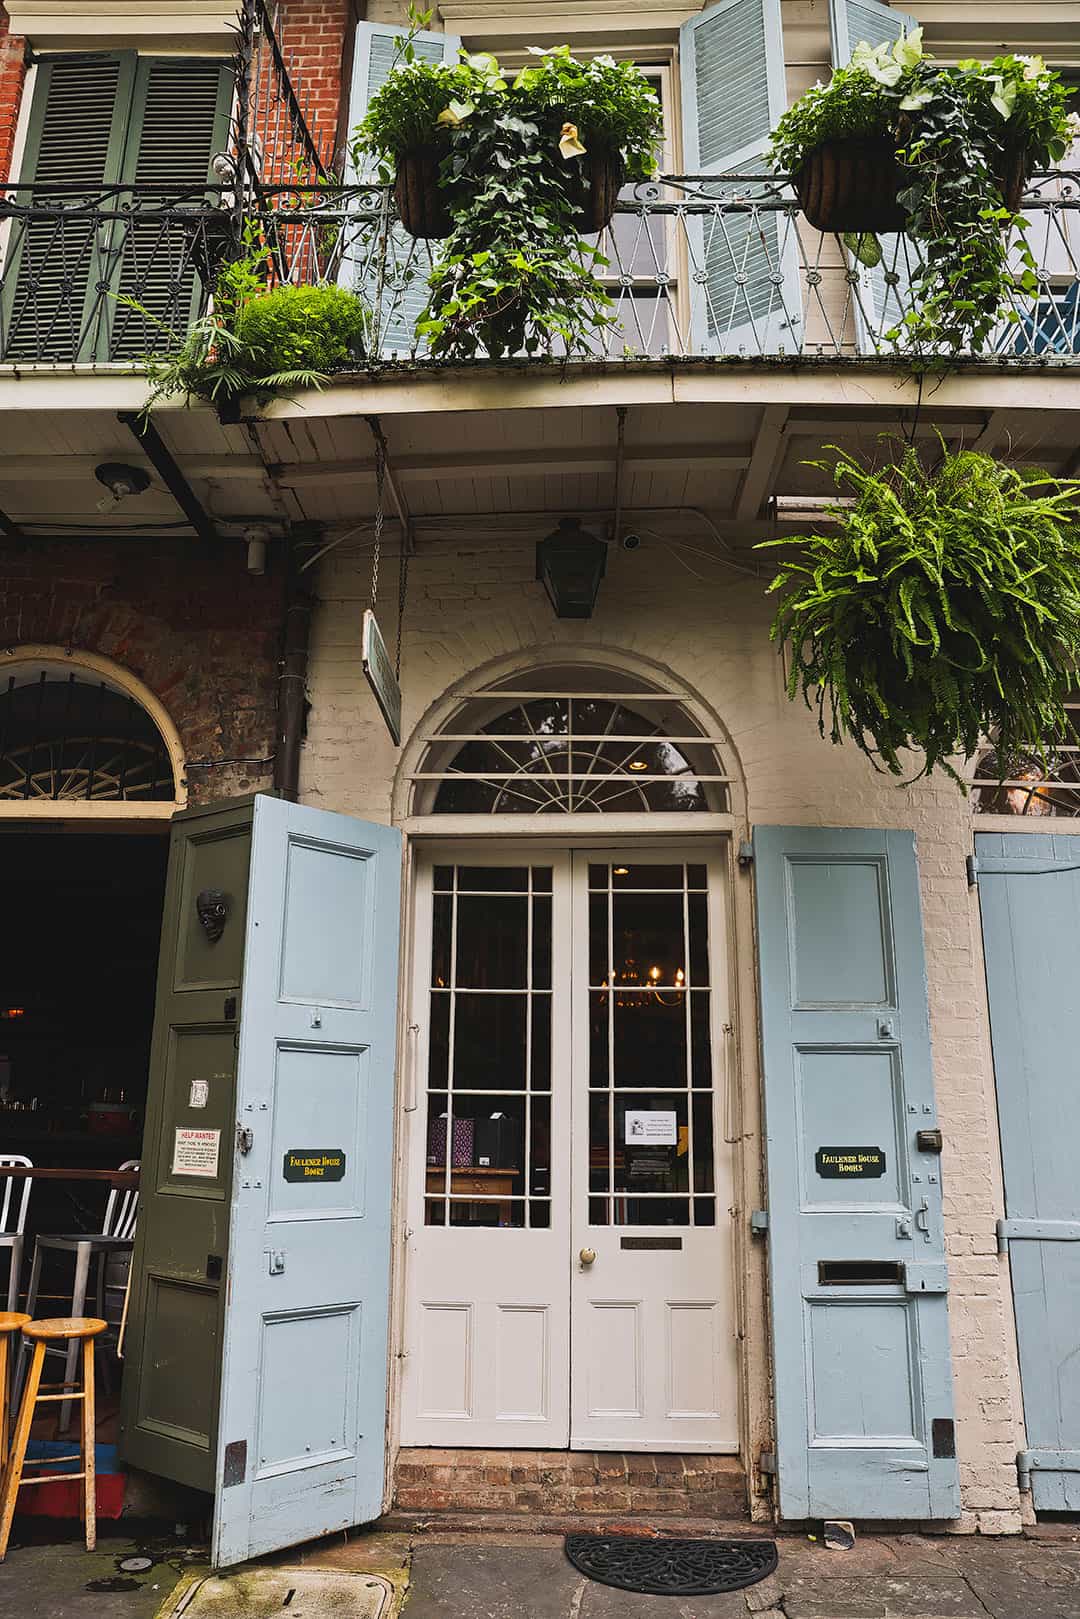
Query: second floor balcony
[[698, 269]]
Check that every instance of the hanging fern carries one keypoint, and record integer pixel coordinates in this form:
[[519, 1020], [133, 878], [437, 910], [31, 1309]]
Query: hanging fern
[[942, 607]]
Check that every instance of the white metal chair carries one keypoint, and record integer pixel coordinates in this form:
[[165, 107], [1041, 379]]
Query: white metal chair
[[117, 1237], [13, 1206]]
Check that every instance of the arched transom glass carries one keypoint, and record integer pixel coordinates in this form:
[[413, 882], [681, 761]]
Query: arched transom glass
[[598, 751], [67, 735]]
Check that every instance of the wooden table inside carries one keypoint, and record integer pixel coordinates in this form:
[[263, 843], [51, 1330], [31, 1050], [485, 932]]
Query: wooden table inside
[[481, 1182], [125, 1179]]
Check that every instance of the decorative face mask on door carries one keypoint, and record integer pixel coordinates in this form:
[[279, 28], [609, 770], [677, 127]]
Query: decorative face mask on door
[[212, 905]]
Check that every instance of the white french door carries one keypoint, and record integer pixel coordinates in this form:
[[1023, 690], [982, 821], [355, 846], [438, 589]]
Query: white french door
[[568, 1263]]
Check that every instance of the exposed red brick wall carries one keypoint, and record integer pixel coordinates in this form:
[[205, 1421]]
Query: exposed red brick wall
[[316, 34], [12, 74], [201, 632]]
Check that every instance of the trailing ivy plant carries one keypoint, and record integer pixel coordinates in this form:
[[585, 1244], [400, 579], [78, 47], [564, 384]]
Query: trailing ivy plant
[[514, 274], [610, 106], [942, 607], [958, 131], [257, 339]]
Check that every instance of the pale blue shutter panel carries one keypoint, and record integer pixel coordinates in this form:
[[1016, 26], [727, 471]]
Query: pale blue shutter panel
[[396, 282], [883, 290], [857, 1274], [744, 278]]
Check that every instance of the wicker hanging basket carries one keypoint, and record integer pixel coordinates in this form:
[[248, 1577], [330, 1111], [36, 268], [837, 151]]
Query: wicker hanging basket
[[852, 186], [604, 176], [421, 202]]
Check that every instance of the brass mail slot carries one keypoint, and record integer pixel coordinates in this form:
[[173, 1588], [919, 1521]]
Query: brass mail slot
[[859, 1272], [638, 1244]]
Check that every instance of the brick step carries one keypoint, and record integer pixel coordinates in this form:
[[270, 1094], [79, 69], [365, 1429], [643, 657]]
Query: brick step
[[559, 1481], [558, 1524]]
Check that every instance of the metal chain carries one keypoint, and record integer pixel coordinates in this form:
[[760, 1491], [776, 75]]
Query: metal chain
[[403, 585], [380, 473]]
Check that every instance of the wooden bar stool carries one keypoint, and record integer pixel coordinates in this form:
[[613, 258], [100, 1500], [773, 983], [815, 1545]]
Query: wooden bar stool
[[10, 1321], [41, 1334]]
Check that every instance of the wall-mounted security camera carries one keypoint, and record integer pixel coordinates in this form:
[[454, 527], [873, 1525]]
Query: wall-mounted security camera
[[630, 542]]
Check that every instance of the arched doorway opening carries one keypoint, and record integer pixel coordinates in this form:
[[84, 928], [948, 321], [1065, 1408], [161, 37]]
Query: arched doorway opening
[[569, 1277], [91, 770]]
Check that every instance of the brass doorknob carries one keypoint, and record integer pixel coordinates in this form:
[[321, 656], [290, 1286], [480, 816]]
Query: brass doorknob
[[587, 1256]]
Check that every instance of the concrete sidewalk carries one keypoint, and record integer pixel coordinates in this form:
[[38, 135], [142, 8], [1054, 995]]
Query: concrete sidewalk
[[498, 1575], [907, 1576]]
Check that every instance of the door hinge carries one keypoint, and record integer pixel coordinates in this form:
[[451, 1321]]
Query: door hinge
[[245, 1139], [972, 870], [767, 1461], [759, 1222]]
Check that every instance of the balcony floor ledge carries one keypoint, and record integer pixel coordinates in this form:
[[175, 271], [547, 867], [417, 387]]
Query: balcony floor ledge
[[395, 387]]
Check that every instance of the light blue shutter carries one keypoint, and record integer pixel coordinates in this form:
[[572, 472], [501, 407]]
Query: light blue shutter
[[883, 290], [857, 1276], [390, 270], [1029, 895], [301, 1433], [744, 278]]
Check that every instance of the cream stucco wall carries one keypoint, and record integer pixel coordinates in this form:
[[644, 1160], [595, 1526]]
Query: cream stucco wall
[[476, 600]]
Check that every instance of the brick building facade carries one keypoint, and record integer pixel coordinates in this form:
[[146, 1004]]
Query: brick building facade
[[673, 455]]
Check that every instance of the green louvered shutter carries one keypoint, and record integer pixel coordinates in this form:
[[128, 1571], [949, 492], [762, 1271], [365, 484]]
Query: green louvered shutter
[[396, 286], [883, 291], [743, 267], [52, 308], [179, 119]]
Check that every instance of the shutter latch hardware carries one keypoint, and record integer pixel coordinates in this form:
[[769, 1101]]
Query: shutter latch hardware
[[759, 1222]]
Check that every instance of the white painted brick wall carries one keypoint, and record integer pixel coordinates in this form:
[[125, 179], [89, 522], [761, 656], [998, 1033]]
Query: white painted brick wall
[[473, 602]]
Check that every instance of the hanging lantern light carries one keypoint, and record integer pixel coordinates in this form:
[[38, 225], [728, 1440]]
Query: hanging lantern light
[[570, 564]]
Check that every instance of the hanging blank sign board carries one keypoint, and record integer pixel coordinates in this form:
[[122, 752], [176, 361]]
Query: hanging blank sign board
[[379, 672]]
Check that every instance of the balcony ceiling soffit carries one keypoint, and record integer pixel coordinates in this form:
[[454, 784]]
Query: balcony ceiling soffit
[[104, 24], [976, 28], [512, 22]]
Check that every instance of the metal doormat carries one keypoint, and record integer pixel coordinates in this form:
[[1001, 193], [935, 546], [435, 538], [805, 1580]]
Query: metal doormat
[[669, 1567]]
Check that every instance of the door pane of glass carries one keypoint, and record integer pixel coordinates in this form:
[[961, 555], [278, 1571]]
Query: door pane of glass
[[489, 1042], [650, 1039], [489, 1066], [651, 1145], [492, 941]]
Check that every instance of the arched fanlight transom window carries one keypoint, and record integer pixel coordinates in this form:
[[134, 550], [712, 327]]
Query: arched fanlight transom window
[[580, 742], [69, 735]]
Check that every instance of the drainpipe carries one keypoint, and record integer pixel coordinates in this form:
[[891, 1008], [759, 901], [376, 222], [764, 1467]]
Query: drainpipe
[[292, 681]]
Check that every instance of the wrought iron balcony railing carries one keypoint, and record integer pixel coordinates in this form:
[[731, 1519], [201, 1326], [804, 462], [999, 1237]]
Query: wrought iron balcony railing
[[722, 266]]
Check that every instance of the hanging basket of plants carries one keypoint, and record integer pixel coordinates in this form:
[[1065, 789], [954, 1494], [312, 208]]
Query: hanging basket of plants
[[604, 175], [851, 186], [896, 142], [421, 202], [854, 187], [941, 607]]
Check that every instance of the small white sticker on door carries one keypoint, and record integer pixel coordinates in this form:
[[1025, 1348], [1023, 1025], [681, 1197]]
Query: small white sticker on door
[[652, 1128], [195, 1152], [200, 1093]]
